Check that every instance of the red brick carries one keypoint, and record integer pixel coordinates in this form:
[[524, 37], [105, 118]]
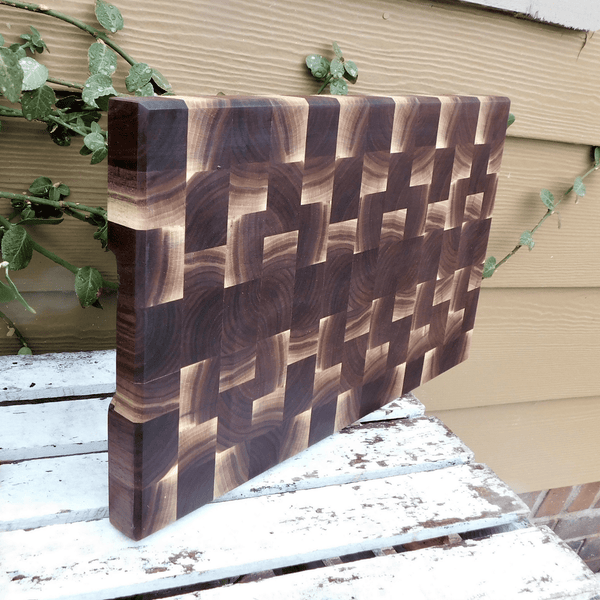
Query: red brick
[[572, 527], [553, 502], [585, 497], [591, 549], [594, 565]]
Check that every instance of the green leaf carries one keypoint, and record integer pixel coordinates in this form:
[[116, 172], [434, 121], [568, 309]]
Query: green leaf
[[25, 350], [597, 156], [34, 41], [337, 50], [99, 155], [1, 40], [139, 75], [511, 120], [102, 235], [101, 59], [579, 187], [40, 187], [527, 240], [489, 267], [351, 71], [64, 190], [53, 194], [94, 141], [6, 294], [34, 74], [339, 87], [97, 86], [313, 60], [17, 293], [37, 104], [27, 214], [337, 68], [20, 52], [147, 90], [548, 199], [85, 151], [17, 248], [88, 282], [319, 66], [11, 75], [109, 16], [161, 81]]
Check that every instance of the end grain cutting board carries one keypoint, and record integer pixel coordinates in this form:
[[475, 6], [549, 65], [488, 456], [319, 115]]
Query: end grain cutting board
[[287, 265]]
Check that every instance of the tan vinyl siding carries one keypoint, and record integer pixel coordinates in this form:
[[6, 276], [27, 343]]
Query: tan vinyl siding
[[527, 399]]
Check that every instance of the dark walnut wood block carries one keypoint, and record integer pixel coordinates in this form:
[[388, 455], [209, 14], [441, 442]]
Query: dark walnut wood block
[[287, 265]]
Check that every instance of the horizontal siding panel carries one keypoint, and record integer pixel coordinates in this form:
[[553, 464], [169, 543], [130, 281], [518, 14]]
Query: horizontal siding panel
[[60, 325], [400, 47], [528, 345], [561, 257], [534, 445]]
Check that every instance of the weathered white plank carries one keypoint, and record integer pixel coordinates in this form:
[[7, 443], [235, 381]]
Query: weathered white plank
[[51, 491], [73, 488], [59, 375], [526, 563], [93, 561], [361, 452], [406, 407], [53, 429]]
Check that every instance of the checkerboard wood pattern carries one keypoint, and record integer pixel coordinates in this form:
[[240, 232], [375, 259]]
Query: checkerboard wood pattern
[[287, 265]]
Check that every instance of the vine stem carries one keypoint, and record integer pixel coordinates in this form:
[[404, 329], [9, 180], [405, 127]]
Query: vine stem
[[43, 9], [12, 326], [71, 84], [327, 80], [62, 204], [53, 257], [548, 213], [67, 265]]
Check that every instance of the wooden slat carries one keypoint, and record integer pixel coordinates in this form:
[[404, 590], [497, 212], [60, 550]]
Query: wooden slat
[[94, 561], [26, 378], [74, 488], [526, 563], [406, 407], [534, 346], [453, 49], [534, 445], [53, 429], [50, 491]]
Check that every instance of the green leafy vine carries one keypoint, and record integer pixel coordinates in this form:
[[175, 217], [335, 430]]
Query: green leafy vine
[[526, 240], [67, 114], [334, 73]]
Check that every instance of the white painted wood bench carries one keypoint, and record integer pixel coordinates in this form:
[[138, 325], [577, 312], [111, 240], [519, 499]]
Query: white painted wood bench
[[379, 487]]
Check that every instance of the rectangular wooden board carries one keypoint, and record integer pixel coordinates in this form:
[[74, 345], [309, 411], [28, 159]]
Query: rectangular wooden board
[[287, 265]]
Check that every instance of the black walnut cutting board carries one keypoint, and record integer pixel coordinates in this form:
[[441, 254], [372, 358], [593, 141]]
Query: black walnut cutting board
[[287, 265]]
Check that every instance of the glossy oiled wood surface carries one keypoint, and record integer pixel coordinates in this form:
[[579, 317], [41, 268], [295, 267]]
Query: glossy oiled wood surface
[[287, 265]]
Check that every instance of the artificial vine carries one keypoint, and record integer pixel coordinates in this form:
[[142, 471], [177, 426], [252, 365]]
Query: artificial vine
[[71, 113], [334, 73]]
